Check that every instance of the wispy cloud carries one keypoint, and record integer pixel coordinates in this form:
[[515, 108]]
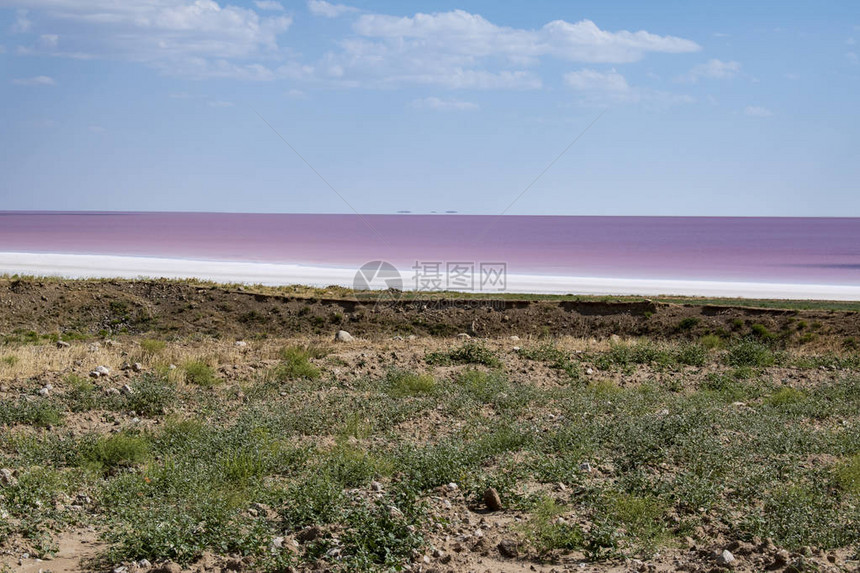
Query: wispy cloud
[[460, 50], [220, 103], [329, 10], [35, 81], [757, 111], [590, 80], [22, 23], [193, 39], [594, 87], [713, 69], [269, 5], [440, 104]]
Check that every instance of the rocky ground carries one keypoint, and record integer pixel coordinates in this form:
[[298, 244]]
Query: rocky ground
[[535, 437]]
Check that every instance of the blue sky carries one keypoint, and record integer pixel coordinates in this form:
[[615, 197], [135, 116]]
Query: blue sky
[[708, 108]]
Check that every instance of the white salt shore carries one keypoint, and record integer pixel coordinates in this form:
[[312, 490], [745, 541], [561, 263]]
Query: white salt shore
[[105, 266]]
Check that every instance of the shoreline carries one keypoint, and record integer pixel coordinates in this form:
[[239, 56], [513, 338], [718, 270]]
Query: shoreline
[[76, 266]]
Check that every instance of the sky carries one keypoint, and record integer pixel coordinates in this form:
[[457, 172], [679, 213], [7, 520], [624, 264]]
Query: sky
[[597, 107]]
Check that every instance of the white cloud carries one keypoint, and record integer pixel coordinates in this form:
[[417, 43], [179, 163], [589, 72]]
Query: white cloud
[[198, 38], [22, 24], [269, 5], [296, 94], [713, 69], [34, 81], [590, 80], [329, 10], [439, 104], [757, 111], [595, 88], [459, 50], [48, 41], [471, 35]]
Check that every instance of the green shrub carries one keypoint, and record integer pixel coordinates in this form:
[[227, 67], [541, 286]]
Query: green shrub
[[641, 517], [761, 332], [200, 373], [689, 323], [402, 383], [151, 395], [295, 364], [152, 346], [692, 355], [556, 358], [546, 533], [750, 353], [848, 474], [785, 397], [712, 342], [469, 353], [38, 412], [107, 453]]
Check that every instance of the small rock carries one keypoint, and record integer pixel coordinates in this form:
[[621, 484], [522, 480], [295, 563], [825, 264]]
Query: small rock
[[375, 486], [333, 552], [111, 391], [171, 367], [589, 371], [585, 467], [144, 564], [492, 499], [7, 478], [509, 548], [44, 391], [126, 389], [63, 344], [137, 367], [94, 347], [394, 513], [240, 344], [102, 370], [452, 486], [277, 543], [515, 338], [725, 558], [464, 336], [343, 336]]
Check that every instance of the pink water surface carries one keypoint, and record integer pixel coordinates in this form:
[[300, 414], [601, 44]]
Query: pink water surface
[[788, 250]]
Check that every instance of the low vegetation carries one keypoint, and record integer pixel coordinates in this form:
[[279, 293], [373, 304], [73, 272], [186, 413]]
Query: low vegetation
[[373, 455]]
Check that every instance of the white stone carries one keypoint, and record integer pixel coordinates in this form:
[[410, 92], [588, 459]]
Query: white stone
[[343, 336]]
